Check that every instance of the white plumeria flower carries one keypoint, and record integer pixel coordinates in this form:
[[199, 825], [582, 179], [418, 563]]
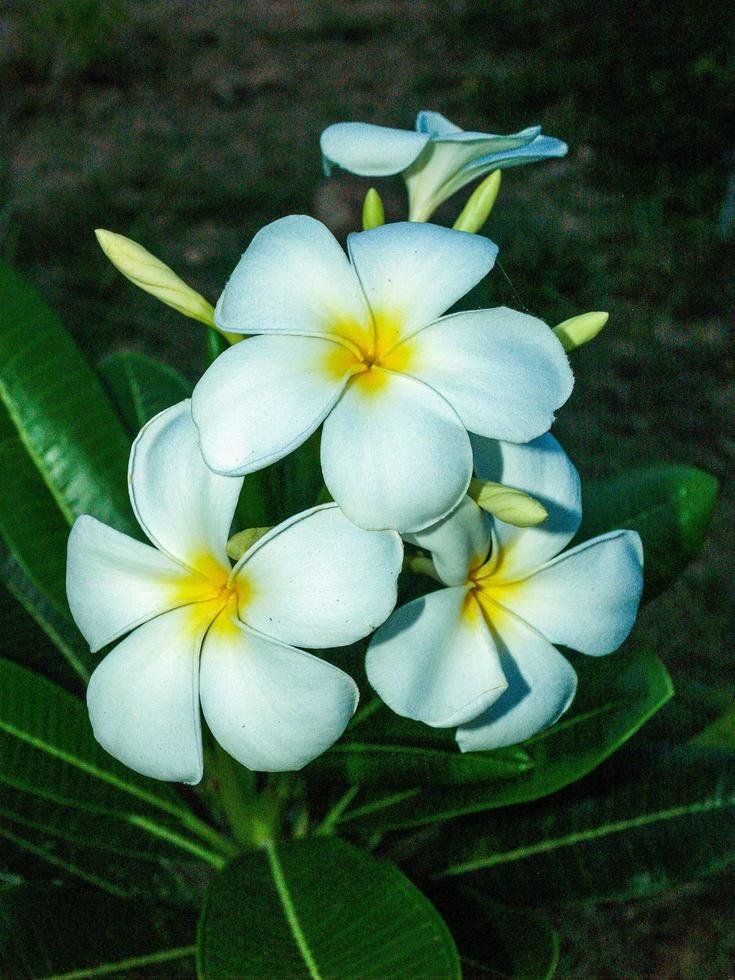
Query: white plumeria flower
[[436, 160], [361, 346], [480, 653], [200, 630]]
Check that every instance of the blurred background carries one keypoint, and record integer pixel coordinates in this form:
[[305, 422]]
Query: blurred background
[[189, 125]]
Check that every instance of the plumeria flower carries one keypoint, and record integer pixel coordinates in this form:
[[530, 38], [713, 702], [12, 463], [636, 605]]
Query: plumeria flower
[[202, 631], [436, 160], [361, 346], [479, 653]]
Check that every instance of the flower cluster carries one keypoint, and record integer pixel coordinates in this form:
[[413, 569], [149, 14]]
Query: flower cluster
[[422, 412]]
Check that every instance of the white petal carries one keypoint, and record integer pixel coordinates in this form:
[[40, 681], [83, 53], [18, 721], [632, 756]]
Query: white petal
[[541, 686], [263, 397], [588, 597], [542, 469], [317, 580], [143, 699], [114, 583], [434, 660], [272, 707], [503, 372], [458, 543], [372, 151], [501, 153], [294, 278], [394, 454], [185, 509], [412, 273], [447, 163], [435, 124]]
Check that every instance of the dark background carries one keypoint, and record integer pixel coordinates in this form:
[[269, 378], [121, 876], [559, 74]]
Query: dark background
[[189, 125]]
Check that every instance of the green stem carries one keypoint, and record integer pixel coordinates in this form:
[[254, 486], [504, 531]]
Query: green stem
[[326, 827], [235, 790]]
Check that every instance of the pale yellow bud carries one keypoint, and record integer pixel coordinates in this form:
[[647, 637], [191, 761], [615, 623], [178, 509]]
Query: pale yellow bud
[[155, 277], [579, 329], [240, 542], [477, 209], [373, 212], [507, 504]]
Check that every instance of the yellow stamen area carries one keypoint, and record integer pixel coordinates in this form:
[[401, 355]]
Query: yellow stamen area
[[489, 593], [209, 593], [369, 351]]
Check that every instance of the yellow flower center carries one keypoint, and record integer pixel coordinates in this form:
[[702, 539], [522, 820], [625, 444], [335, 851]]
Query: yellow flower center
[[210, 585], [368, 354], [488, 592]]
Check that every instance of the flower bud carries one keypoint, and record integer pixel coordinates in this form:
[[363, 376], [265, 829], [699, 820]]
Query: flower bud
[[507, 504], [373, 212], [477, 209], [579, 329], [154, 277], [240, 542]]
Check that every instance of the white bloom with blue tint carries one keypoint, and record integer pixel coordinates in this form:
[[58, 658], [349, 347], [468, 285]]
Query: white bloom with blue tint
[[436, 160], [200, 631], [480, 654], [361, 345]]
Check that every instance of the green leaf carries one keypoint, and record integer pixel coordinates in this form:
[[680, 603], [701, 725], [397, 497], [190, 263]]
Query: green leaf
[[101, 849], [141, 387], [74, 931], [318, 909], [214, 345], [616, 695], [33, 632], [657, 818], [47, 749], [31, 524], [382, 749], [670, 506], [497, 940], [58, 407], [720, 733]]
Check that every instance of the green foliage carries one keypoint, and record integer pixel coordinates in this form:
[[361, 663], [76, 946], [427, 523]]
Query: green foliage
[[652, 818], [52, 931], [383, 749], [616, 696], [141, 387], [59, 410], [47, 749], [669, 506], [325, 909], [495, 939]]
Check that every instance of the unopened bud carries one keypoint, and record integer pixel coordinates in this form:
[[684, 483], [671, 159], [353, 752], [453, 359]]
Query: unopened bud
[[240, 542], [507, 504], [579, 329], [373, 212], [477, 209], [155, 277]]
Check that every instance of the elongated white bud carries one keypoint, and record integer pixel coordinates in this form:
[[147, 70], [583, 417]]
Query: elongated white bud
[[507, 504], [373, 212], [579, 329], [477, 209]]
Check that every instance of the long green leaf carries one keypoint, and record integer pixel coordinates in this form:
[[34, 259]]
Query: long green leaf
[[47, 748], [657, 818], [77, 932], [319, 909], [382, 749], [141, 387], [34, 633], [31, 524], [496, 940], [616, 696], [57, 406], [670, 506]]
